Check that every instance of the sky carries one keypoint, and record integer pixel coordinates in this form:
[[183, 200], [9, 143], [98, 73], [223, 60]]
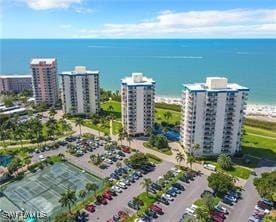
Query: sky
[[137, 19]]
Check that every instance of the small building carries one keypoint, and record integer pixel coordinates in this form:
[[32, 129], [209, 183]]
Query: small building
[[15, 83]]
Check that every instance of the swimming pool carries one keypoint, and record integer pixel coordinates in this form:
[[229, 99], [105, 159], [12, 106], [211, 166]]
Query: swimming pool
[[5, 160]]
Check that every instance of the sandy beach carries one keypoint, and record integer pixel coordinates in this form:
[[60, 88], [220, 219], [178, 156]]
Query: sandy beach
[[267, 112]]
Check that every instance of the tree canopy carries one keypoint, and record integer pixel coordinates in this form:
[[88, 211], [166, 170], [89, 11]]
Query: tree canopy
[[220, 182], [266, 185]]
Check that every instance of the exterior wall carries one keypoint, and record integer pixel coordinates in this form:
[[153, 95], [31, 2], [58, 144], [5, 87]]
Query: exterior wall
[[137, 104], [219, 126], [15, 84], [80, 93], [140, 110], [212, 119], [45, 86]]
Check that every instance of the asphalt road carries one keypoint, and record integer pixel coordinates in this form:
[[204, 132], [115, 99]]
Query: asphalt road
[[103, 213], [245, 207]]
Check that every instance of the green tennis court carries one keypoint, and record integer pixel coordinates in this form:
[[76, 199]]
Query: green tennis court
[[41, 191]]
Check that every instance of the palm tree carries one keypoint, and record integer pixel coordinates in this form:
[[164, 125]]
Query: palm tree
[[82, 194], [191, 159], [224, 161], [52, 112], [137, 201], [68, 198], [20, 132], [202, 214], [129, 139], [79, 122], [92, 187], [110, 108], [179, 157], [149, 131], [121, 136], [195, 148], [146, 184]]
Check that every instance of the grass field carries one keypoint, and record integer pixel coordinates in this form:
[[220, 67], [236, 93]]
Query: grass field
[[116, 108], [166, 151], [116, 126], [159, 116], [101, 128], [237, 171], [257, 142]]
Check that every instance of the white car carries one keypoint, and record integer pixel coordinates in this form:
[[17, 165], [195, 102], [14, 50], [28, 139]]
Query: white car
[[116, 189], [167, 197], [108, 161], [266, 211], [221, 209], [122, 185], [119, 157], [190, 211]]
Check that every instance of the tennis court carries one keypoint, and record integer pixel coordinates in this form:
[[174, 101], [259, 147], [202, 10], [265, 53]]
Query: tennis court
[[41, 191]]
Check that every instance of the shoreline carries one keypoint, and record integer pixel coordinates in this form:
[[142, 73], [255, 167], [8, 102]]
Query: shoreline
[[252, 110]]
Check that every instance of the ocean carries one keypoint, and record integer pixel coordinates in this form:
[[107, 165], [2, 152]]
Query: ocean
[[171, 62]]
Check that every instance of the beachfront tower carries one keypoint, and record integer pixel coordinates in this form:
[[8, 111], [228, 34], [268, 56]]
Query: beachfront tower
[[80, 91], [137, 94], [44, 79], [212, 116]]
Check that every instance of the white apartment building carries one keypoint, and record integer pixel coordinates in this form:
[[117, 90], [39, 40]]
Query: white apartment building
[[44, 79], [80, 91], [212, 116], [137, 94]]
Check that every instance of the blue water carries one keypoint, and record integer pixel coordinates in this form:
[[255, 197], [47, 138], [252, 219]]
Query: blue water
[[171, 63], [5, 160]]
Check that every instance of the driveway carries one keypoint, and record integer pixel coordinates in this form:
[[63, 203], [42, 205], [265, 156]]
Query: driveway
[[245, 207], [103, 213]]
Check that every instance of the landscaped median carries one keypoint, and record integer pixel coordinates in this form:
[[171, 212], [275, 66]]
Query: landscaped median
[[235, 170], [166, 151]]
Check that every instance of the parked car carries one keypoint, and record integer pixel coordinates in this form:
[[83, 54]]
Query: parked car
[[107, 195], [262, 209], [102, 200], [171, 192], [221, 209], [156, 209], [163, 200], [122, 214], [227, 201], [150, 189], [122, 185], [263, 205], [112, 192], [218, 213], [232, 198], [167, 196], [156, 186], [253, 219], [184, 179], [176, 190], [132, 205], [235, 194], [217, 218], [90, 208], [117, 189], [179, 186]]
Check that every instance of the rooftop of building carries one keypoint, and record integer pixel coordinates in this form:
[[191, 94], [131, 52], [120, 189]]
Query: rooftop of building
[[137, 79], [14, 76], [37, 61], [216, 84], [80, 70]]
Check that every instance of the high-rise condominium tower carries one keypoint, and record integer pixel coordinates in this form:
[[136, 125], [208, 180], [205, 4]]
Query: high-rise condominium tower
[[137, 103], [44, 78], [80, 91], [212, 116]]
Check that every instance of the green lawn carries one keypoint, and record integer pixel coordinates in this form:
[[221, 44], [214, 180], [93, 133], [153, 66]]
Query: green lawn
[[237, 171], [199, 202], [159, 116], [259, 146], [153, 159], [259, 131], [116, 108], [116, 126], [101, 128], [166, 151]]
